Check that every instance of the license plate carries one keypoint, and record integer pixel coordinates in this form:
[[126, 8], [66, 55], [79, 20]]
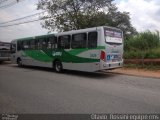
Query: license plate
[[115, 60], [112, 57], [115, 56]]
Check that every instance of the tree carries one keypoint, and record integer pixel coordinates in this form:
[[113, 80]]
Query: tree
[[121, 20], [65, 15]]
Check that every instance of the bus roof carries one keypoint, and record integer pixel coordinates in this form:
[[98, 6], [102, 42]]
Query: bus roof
[[67, 32], [85, 30], [35, 37]]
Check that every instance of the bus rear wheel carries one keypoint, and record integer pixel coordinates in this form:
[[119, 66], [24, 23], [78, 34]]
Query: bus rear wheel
[[58, 66]]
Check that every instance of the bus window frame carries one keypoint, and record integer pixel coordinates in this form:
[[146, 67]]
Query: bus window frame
[[13, 51], [113, 30], [59, 44], [19, 45], [32, 44], [86, 41], [53, 42], [92, 41]]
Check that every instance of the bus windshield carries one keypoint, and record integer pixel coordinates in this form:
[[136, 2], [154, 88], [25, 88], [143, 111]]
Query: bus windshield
[[113, 35]]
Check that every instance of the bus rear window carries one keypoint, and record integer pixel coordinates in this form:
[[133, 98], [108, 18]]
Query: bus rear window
[[116, 34], [113, 35]]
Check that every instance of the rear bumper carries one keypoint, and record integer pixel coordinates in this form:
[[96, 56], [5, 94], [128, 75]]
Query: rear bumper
[[113, 65]]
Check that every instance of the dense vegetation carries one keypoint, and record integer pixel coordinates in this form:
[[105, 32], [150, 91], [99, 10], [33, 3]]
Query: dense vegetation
[[65, 15], [143, 45]]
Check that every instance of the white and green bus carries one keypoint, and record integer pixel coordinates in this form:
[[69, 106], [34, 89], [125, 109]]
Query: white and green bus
[[91, 50]]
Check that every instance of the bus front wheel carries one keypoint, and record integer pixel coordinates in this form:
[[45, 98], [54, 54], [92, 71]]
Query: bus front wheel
[[58, 66], [19, 62]]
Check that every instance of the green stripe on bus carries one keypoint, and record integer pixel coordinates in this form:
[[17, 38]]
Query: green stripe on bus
[[38, 55], [46, 56], [78, 51], [67, 57]]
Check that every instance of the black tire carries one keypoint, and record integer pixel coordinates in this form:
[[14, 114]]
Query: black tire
[[58, 66], [19, 62]]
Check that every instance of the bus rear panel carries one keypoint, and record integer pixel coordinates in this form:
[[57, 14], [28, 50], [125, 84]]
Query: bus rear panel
[[112, 56]]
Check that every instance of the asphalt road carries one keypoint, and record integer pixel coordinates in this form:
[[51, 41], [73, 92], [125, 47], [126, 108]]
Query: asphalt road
[[40, 90]]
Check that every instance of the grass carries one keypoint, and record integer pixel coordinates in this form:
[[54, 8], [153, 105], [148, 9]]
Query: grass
[[153, 54], [144, 67]]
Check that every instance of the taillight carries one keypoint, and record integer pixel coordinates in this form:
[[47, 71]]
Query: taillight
[[103, 56]]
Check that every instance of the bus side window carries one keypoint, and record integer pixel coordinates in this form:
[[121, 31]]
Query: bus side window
[[40, 43], [64, 42], [32, 47], [26, 45], [44, 44], [29, 44], [19, 45], [79, 40], [55, 42], [50, 43], [13, 48], [92, 39], [36, 44]]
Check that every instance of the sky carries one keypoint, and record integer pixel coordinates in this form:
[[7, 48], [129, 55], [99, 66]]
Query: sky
[[144, 14]]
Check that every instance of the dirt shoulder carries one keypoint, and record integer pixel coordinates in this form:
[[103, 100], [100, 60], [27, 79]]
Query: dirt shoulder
[[137, 72]]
